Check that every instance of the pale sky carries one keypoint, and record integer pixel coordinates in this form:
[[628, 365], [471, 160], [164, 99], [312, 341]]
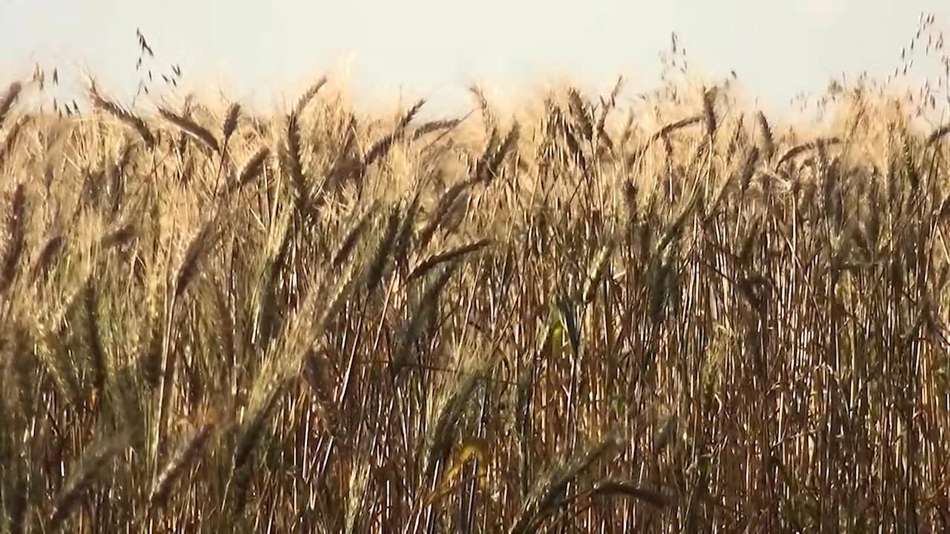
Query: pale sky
[[265, 53]]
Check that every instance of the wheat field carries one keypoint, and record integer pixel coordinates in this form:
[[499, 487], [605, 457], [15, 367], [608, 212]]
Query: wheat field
[[588, 316]]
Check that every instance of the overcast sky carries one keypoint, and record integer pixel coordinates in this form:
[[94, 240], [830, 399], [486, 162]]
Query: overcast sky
[[437, 48]]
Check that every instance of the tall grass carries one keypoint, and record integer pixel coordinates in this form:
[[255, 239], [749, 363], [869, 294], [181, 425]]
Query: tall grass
[[321, 322]]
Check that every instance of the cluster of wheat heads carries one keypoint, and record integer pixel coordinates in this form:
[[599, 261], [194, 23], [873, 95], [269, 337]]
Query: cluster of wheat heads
[[324, 322]]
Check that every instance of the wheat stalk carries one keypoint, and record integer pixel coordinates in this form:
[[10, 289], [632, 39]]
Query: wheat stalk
[[15, 238], [252, 168], [84, 476], [9, 99], [191, 127], [435, 260], [186, 455], [230, 122], [308, 95], [123, 115]]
